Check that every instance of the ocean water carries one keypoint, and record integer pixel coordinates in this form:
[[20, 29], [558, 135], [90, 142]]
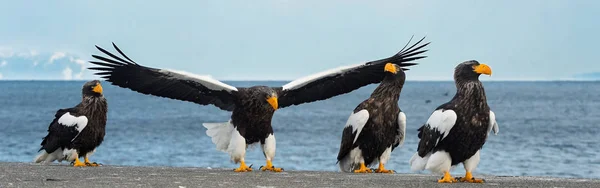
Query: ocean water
[[546, 128]]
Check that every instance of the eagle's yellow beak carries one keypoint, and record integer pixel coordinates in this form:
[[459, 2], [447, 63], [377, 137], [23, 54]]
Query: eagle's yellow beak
[[389, 67], [273, 102], [97, 88], [482, 69]]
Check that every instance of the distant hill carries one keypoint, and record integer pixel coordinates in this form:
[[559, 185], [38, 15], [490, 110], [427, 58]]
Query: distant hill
[[588, 76]]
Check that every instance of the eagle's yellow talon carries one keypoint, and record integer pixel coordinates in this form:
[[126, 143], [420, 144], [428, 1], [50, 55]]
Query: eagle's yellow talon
[[363, 169], [92, 164], [88, 163], [447, 178], [273, 169], [243, 168], [382, 169], [469, 178], [270, 167], [78, 163]]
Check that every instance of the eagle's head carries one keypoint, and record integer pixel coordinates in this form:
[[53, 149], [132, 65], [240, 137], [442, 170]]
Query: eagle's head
[[267, 97], [394, 71], [470, 70], [92, 88]]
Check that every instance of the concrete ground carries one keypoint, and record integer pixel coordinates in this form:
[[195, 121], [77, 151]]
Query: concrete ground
[[35, 175]]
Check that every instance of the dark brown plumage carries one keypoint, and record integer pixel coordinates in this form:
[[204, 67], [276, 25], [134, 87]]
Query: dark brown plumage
[[76, 132], [376, 126], [457, 130]]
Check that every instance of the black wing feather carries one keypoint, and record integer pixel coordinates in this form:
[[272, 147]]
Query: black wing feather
[[428, 139], [152, 81], [347, 143], [58, 134], [349, 80], [103, 64], [123, 54], [111, 55]]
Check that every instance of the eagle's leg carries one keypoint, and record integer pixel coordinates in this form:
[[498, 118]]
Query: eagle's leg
[[385, 156], [243, 167], [87, 160], [88, 163], [441, 162], [77, 162], [363, 169], [447, 178], [268, 147], [470, 165], [469, 178], [237, 148], [382, 169], [270, 167]]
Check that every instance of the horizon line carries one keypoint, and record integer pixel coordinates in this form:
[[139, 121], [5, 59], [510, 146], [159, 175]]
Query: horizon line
[[275, 80]]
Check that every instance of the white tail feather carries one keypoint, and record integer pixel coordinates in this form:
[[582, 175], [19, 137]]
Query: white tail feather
[[70, 154], [351, 161], [41, 157], [220, 134], [439, 162], [346, 165], [45, 157], [418, 163]]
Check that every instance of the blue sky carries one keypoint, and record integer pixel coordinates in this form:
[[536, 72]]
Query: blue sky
[[284, 40]]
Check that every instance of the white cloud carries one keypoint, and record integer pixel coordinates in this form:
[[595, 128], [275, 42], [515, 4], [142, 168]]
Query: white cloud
[[31, 53], [6, 52], [79, 75], [57, 56], [0, 76], [67, 73], [82, 65], [78, 61], [75, 69]]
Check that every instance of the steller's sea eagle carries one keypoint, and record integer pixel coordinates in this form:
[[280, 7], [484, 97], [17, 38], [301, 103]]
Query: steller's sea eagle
[[76, 132], [253, 107], [376, 127], [457, 130]]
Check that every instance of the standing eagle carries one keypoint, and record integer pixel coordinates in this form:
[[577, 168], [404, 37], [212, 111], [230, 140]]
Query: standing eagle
[[77, 131], [376, 127], [252, 107], [457, 130]]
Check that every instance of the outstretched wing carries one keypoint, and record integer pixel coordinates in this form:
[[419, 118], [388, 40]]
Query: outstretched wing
[[342, 80], [435, 130], [164, 83], [65, 127], [356, 122]]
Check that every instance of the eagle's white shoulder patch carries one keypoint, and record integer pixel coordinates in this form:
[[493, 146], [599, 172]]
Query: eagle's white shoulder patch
[[310, 78], [69, 120], [401, 128], [493, 124], [206, 81], [357, 121], [442, 120]]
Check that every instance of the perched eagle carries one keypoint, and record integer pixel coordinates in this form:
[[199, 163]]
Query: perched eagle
[[77, 131], [253, 107], [375, 127], [457, 130]]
